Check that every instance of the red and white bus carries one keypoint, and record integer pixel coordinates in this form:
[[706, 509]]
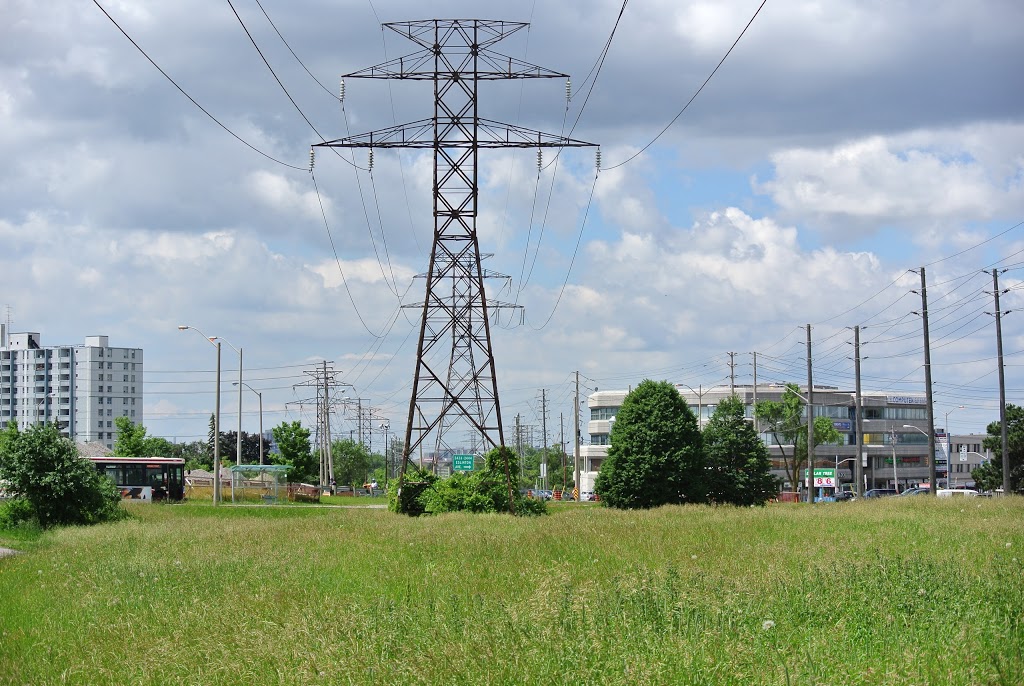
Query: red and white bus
[[145, 479]]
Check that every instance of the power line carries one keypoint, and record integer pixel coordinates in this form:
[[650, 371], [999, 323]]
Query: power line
[[191, 99], [694, 96]]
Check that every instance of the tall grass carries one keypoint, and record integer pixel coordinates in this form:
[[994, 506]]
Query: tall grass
[[890, 592]]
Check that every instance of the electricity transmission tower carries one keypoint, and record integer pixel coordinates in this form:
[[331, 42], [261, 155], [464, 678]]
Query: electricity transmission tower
[[323, 378], [455, 371]]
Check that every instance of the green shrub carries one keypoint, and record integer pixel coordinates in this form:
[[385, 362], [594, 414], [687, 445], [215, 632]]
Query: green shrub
[[480, 492], [16, 512], [45, 470]]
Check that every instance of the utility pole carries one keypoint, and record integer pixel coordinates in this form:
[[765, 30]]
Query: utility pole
[[519, 447], [544, 432], [933, 486], [576, 433], [895, 476], [456, 56], [1003, 438], [732, 373], [810, 422], [753, 406], [561, 446], [858, 474]]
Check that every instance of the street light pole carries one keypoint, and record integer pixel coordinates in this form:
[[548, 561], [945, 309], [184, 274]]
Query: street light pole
[[933, 485], [839, 462], [238, 436], [949, 455], [260, 396], [216, 416]]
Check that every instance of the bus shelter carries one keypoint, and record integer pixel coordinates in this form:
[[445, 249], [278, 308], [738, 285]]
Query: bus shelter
[[263, 479]]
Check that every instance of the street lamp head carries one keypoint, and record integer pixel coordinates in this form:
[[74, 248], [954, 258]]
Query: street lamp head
[[182, 327]]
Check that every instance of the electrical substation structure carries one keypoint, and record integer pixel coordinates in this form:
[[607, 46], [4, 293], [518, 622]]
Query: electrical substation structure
[[456, 55]]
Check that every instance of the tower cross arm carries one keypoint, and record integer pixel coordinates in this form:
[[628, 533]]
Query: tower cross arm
[[490, 134], [489, 66]]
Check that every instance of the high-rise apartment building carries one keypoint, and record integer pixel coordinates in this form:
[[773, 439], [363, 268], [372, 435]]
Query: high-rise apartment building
[[81, 388]]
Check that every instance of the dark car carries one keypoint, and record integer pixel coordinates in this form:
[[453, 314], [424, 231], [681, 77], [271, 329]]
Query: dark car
[[880, 492], [845, 495], [916, 491]]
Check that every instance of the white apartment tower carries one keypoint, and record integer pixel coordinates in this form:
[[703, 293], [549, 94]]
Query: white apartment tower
[[80, 387]]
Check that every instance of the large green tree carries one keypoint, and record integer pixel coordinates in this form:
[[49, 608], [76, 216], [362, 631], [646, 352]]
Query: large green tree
[[786, 420], [250, 447], [989, 476], [293, 443], [131, 439], [352, 462], [738, 465], [655, 457], [43, 470]]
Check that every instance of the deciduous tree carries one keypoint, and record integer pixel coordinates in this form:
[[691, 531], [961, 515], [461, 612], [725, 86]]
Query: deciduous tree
[[293, 443], [989, 476], [655, 457], [738, 465], [352, 462], [786, 420], [43, 469]]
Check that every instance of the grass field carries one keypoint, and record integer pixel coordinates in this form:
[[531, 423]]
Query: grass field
[[898, 591]]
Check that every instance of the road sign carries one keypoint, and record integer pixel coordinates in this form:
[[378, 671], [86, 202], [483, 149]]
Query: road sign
[[963, 453], [462, 463]]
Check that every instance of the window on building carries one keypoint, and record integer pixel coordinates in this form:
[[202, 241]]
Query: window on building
[[100, 353]]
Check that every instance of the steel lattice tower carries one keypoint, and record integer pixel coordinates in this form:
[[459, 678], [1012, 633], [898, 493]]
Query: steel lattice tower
[[455, 377]]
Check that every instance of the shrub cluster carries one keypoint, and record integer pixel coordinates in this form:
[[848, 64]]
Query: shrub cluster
[[49, 483], [479, 491]]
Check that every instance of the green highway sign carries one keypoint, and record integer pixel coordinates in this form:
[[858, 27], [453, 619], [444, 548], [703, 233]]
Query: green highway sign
[[462, 463]]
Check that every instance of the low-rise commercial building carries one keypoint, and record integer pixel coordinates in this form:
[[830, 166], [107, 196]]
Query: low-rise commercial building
[[895, 441]]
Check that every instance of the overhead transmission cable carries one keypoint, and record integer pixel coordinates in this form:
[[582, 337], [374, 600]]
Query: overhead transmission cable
[[694, 96], [190, 98], [392, 286]]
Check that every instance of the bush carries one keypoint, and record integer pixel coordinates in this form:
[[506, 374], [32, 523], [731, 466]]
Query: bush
[[43, 469], [16, 512], [479, 492]]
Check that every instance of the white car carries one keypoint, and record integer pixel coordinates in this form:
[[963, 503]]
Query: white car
[[956, 493]]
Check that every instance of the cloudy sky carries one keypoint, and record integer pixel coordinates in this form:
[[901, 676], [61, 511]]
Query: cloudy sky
[[840, 146]]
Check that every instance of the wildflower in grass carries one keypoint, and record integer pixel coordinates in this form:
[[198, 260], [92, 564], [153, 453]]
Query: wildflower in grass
[[767, 624], [921, 591], [693, 557], [1008, 544]]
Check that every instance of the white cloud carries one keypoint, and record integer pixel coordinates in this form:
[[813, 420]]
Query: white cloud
[[283, 195], [918, 178]]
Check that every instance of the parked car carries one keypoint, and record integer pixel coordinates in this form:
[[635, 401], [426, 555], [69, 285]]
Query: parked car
[[880, 492], [845, 495], [916, 491], [956, 492]]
